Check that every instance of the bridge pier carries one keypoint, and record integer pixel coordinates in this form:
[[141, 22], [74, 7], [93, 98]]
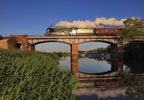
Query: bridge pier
[[74, 64], [31, 47], [24, 47], [74, 57], [117, 65], [74, 49]]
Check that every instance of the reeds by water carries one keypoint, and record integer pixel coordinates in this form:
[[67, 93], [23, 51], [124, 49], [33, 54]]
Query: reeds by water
[[34, 76]]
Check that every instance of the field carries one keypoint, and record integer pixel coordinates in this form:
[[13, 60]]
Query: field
[[34, 76]]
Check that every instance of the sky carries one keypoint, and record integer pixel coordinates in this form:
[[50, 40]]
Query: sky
[[32, 17]]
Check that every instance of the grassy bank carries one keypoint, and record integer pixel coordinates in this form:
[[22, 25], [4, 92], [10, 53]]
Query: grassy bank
[[34, 76]]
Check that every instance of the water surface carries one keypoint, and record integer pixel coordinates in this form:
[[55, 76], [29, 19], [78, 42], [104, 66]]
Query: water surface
[[105, 80]]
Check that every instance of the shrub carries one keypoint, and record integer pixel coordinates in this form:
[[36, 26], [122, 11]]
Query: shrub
[[11, 43]]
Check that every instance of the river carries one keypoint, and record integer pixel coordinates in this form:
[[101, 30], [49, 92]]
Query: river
[[106, 80]]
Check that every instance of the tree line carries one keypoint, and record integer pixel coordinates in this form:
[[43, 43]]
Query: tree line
[[133, 29]]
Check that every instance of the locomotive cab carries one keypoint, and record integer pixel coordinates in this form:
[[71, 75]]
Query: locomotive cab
[[49, 30]]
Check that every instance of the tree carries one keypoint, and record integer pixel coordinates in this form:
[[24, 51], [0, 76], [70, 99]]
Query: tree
[[1, 37], [134, 50], [133, 29], [11, 43]]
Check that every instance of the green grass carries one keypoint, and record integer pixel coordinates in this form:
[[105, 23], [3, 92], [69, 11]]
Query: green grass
[[34, 76]]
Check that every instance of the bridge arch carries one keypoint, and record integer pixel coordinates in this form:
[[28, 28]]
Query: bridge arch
[[95, 75], [39, 42], [116, 50], [102, 41], [18, 45], [51, 46], [75, 40], [92, 45]]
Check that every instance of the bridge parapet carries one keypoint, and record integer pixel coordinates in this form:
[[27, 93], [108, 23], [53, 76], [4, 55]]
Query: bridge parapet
[[74, 39]]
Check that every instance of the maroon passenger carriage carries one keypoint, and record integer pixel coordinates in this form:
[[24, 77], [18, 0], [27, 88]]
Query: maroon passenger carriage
[[105, 31]]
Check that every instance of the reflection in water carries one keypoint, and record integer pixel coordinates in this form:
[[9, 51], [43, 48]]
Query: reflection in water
[[106, 81], [101, 93], [86, 65], [136, 66], [134, 84], [93, 66], [65, 62]]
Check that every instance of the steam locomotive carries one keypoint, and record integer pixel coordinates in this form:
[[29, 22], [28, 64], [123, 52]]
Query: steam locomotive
[[80, 31]]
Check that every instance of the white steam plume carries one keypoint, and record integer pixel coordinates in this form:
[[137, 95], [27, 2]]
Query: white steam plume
[[99, 22]]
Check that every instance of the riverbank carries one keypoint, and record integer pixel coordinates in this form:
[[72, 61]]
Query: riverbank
[[34, 76]]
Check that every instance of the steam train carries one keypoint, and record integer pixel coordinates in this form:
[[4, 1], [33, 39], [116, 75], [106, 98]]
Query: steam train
[[80, 31]]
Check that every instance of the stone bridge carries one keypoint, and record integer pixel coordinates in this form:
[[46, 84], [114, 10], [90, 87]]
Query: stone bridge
[[28, 43], [75, 40]]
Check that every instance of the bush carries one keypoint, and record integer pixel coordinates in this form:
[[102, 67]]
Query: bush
[[11, 43]]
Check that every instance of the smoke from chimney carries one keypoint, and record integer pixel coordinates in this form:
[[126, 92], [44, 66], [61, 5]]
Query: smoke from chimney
[[99, 22]]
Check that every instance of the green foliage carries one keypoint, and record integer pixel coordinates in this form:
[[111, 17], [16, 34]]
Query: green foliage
[[11, 43], [134, 55], [134, 50], [1, 37], [107, 49], [29, 44], [34, 76], [134, 84], [62, 54], [12, 40], [80, 52], [133, 29], [133, 23]]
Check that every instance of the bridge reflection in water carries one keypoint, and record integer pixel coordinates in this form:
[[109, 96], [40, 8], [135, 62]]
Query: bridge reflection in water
[[103, 85], [115, 83], [105, 79]]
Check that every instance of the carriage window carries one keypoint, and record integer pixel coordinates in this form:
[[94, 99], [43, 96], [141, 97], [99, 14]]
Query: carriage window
[[102, 30], [106, 30], [111, 30]]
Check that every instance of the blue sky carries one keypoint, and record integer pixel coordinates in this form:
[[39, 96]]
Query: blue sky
[[32, 17]]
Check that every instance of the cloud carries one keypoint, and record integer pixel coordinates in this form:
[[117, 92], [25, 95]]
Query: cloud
[[98, 22]]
